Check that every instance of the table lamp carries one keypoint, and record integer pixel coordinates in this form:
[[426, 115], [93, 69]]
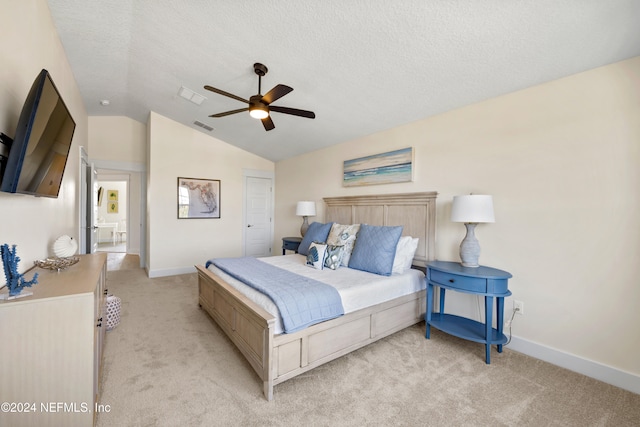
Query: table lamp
[[472, 210], [305, 209]]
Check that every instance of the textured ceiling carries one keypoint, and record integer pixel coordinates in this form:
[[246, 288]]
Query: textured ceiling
[[361, 66]]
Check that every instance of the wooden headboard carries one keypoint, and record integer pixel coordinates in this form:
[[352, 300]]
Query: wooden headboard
[[415, 211]]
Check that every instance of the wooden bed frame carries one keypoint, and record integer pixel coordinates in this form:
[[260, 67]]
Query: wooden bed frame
[[279, 357]]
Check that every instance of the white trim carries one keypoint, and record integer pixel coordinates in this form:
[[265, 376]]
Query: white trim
[[598, 371], [170, 272], [118, 165], [82, 196], [255, 173]]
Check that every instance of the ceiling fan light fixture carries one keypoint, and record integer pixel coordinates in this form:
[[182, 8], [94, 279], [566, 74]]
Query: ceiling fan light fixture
[[259, 106], [259, 111]]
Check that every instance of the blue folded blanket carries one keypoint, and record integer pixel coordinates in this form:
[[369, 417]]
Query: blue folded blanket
[[302, 301]]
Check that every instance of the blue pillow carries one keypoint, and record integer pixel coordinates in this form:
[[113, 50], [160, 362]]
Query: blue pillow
[[375, 249], [317, 232]]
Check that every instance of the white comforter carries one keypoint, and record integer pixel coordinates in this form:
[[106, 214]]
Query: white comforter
[[358, 289]]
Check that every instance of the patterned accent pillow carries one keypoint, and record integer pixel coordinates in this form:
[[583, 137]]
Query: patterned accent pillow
[[334, 256], [317, 232], [375, 249], [344, 235], [317, 254]]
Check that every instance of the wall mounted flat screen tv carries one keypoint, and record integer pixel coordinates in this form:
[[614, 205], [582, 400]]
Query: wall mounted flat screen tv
[[38, 155]]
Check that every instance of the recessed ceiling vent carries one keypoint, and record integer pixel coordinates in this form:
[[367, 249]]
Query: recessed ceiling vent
[[190, 95], [203, 126]]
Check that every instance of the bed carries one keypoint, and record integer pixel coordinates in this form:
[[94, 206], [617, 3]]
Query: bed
[[277, 357]]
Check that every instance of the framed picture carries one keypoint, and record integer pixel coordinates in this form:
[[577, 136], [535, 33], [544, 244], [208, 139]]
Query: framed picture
[[198, 198], [112, 195], [385, 168], [112, 207]]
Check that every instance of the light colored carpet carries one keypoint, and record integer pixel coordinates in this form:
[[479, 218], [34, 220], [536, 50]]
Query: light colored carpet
[[168, 364]]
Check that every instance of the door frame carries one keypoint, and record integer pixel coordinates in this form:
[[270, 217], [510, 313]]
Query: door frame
[[125, 168], [86, 214], [252, 173]]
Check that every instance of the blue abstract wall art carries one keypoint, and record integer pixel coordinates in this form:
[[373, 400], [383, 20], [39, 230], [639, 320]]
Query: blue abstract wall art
[[385, 168]]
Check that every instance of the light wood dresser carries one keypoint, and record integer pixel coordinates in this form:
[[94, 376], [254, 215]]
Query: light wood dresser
[[51, 347]]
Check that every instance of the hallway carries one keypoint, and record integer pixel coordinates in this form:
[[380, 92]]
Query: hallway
[[110, 247], [122, 261]]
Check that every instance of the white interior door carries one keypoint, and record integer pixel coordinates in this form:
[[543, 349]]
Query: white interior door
[[258, 226]]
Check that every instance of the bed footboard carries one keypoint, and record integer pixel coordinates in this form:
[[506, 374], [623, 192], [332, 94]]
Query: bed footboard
[[277, 358], [294, 354], [248, 325]]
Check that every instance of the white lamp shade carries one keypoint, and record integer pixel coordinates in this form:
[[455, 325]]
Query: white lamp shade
[[306, 208], [473, 208]]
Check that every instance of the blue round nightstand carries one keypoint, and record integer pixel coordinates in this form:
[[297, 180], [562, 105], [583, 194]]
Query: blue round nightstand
[[487, 281], [290, 244]]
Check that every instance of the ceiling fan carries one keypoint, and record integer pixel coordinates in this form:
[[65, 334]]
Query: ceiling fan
[[259, 105]]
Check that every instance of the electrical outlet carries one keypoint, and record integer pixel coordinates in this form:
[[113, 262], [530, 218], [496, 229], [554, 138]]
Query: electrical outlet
[[518, 307]]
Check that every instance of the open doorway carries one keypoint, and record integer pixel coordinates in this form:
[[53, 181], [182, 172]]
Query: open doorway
[[113, 213], [131, 206]]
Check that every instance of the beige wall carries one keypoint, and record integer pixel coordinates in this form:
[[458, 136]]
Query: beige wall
[[176, 245], [562, 163], [30, 43], [117, 139]]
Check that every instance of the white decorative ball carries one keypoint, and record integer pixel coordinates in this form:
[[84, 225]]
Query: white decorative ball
[[65, 246]]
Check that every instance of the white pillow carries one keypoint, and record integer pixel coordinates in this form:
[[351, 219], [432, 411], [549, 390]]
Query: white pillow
[[316, 256], [405, 251]]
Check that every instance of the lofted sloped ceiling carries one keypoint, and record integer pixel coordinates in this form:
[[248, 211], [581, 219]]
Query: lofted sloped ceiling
[[361, 66]]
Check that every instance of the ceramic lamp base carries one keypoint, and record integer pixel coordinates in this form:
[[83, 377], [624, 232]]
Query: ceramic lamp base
[[470, 247], [304, 227]]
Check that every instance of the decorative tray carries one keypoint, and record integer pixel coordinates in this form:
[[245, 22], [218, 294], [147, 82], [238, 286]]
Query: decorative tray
[[56, 263]]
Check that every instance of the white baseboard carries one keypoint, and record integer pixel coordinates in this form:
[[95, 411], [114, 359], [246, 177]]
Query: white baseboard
[[170, 272], [604, 373]]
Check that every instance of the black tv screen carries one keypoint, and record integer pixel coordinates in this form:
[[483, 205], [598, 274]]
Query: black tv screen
[[38, 155]]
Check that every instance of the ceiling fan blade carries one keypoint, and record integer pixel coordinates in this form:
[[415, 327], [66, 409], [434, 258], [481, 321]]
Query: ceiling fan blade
[[221, 92], [293, 111], [228, 113], [268, 123], [276, 93]]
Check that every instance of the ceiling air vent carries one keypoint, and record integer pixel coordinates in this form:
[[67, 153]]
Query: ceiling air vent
[[203, 126], [191, 95]]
